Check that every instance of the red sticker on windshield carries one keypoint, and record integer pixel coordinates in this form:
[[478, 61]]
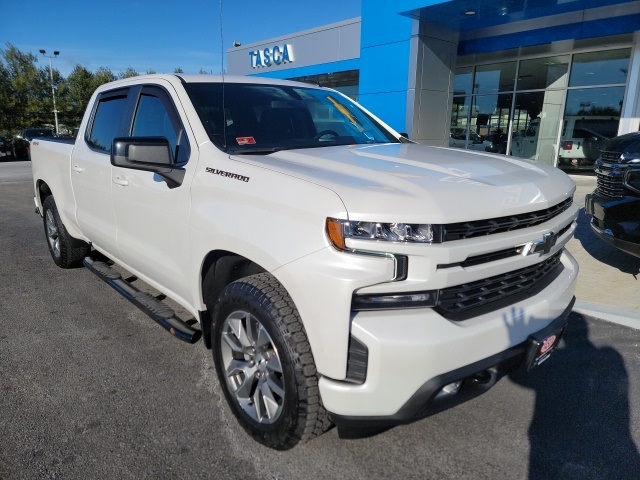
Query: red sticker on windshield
[[245, 140]]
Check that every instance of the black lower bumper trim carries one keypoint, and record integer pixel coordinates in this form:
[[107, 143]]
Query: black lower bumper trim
[[629, 247], [616, 221], [476, 379]]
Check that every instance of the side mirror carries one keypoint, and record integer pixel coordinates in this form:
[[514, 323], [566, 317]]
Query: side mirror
[[150, 154], [142, 153]]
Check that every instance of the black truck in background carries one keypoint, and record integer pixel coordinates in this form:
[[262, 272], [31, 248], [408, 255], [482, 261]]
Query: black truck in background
[[615, 203]]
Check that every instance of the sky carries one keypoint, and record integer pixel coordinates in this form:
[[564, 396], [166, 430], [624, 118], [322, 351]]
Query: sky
[[159, 35]]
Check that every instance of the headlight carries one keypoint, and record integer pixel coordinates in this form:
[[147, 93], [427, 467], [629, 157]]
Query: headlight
[[339, 230]]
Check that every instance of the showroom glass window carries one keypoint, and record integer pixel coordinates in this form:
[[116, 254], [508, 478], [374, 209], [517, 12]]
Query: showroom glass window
[[556, 109], [463, 82], [481, 121], [593, 106], [537, 108]]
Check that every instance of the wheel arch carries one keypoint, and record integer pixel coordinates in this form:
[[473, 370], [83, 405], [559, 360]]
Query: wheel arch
[[43, 190], [219, 269]]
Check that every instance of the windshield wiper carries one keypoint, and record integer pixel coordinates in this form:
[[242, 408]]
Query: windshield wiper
[[257, 151]]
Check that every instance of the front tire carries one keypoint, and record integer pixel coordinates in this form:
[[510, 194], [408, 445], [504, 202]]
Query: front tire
[[264, 363], [66, 251]]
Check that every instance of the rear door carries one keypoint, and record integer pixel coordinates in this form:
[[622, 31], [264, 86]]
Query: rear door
[[91, 170], [152, 217]]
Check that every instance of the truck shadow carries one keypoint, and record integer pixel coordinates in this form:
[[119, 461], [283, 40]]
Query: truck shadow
[[581, 423], [602, 251]]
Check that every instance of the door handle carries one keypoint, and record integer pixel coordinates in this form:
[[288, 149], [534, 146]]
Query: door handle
[[123, 182], [78, 169]]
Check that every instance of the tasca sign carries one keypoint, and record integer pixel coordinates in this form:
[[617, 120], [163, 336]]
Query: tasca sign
[[276, 55]]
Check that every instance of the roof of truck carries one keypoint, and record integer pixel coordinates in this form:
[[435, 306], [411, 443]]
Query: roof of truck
[[205, 79]]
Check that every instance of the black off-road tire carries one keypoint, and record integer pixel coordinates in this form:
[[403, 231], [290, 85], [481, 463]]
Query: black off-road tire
[[66, 251], [264, 362]]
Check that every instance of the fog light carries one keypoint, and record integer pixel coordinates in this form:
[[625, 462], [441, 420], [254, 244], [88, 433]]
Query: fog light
[[395, 301]]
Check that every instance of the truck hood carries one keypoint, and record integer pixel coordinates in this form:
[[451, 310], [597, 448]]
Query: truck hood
[[423, 184]]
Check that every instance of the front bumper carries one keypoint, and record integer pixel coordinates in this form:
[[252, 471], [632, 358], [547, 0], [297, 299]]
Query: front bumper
[[413, 354], [616, 221], [473, 380]]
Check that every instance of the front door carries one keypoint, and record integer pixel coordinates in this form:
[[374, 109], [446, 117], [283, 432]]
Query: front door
[[152, 218]]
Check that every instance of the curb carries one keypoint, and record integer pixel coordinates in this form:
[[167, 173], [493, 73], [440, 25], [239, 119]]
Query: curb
[[626, 318]]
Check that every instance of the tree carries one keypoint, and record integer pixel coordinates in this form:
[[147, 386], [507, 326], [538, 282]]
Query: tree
[[5, 96], [103, 75], [25, 90], [129, 72], [77, 91], [178, 70], [80, 85]]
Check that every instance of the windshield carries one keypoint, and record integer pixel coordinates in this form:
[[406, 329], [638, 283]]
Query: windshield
[[261, 119]]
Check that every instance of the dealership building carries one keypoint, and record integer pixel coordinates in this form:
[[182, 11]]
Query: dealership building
[[549, 80]]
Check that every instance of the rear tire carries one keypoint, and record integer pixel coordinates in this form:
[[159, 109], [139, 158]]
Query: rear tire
[[66, 251], [264, 363]]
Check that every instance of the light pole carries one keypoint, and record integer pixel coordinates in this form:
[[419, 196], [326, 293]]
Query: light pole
[[53, 92]]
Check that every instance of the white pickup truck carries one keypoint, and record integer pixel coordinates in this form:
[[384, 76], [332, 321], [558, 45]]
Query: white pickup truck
[[340, 273]]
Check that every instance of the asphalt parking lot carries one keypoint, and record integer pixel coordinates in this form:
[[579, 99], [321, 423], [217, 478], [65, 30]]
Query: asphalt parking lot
[[91, 388]]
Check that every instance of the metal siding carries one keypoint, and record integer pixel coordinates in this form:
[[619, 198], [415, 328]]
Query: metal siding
[[310, 70], [326, 45]]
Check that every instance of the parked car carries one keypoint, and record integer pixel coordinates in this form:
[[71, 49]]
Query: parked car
[[497, 143], [524, 143], [457, 139], [581, 149], [21, 143], [5, 149], [615, 203]]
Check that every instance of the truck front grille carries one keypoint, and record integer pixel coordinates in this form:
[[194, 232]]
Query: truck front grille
[[495, 256], [609, 173], [458, 231], [462, 301]]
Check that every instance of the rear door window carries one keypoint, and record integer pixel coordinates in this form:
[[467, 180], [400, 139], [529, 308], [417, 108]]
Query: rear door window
[[108, 120]]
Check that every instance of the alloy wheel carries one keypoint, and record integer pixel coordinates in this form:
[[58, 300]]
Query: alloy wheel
[[253, 369]]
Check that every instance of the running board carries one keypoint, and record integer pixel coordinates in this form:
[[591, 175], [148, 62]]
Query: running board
[[146, 302]]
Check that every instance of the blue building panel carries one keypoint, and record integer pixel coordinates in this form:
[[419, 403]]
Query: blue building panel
[[575, 31], [389, 106], [385, 68], [382, 24]]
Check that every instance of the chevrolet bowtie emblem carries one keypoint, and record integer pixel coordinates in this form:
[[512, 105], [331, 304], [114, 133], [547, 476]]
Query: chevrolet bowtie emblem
[[542, 245]]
